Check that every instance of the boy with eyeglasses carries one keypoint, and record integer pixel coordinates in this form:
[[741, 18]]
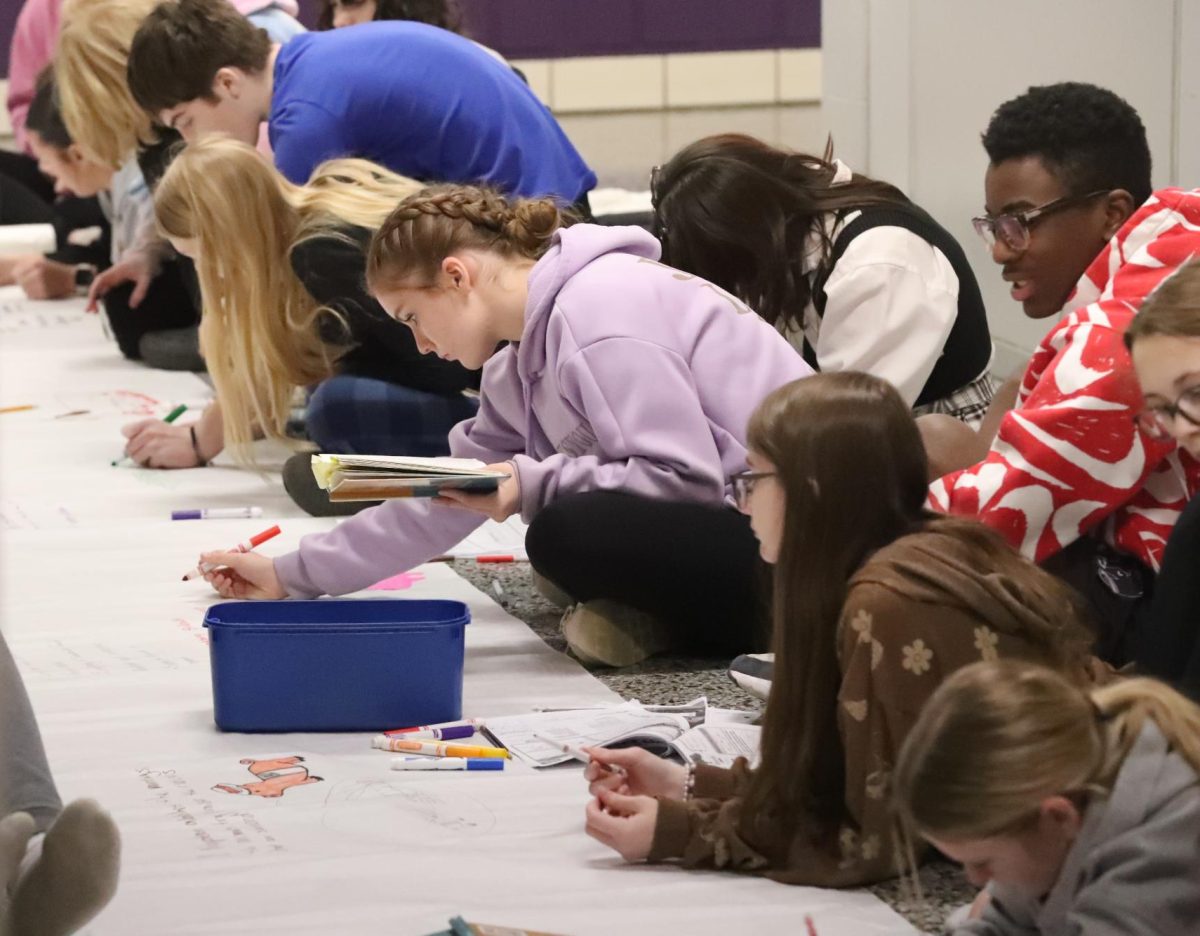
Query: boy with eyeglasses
[[1068, 476]]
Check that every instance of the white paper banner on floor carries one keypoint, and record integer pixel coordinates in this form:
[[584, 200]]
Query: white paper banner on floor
[[301, 833]]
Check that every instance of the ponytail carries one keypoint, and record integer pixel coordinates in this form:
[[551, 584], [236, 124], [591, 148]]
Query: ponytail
[[441, 220], [998, 738]]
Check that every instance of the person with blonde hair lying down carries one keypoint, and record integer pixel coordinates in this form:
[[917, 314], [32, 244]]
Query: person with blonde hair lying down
[[1079, 810], [281, 269]]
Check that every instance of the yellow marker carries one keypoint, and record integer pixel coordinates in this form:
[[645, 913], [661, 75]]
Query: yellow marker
[[17, 409], [436, 748]]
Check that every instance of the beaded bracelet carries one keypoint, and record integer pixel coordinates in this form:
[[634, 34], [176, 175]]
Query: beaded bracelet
[[689, 782], [200, 459]]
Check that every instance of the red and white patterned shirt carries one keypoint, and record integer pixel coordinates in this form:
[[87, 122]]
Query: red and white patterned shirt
[[1068, 460]]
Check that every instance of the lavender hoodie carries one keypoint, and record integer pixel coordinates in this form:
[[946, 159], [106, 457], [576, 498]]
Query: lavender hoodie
[[629, 376]]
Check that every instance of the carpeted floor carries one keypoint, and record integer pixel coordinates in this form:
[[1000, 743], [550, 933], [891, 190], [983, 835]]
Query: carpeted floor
[[671, 679]]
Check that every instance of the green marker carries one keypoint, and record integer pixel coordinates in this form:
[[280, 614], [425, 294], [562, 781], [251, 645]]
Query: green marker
[[169, 418]]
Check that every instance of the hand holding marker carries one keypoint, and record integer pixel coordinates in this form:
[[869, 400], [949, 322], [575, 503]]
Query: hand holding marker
[[169, 418], [576, 752], [245, 547]]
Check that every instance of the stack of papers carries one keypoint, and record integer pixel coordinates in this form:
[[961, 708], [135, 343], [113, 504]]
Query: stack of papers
[[720, 740], [381, 477]]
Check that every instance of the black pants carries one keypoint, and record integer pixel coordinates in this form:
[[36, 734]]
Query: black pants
[[168, 304], [27, 197], [1169, 639], [692, 566]]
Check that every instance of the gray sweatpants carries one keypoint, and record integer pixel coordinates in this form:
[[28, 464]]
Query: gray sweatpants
[[25, 781]]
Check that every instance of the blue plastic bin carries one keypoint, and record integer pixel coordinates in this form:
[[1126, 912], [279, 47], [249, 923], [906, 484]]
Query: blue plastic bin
[[335, 665]]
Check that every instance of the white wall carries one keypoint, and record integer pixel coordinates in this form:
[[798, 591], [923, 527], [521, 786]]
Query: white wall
[[909, 86]]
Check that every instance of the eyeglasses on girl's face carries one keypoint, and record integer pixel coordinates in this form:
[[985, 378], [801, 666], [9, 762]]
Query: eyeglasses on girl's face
[[743, 485], [1158, 421], [1013, 228]]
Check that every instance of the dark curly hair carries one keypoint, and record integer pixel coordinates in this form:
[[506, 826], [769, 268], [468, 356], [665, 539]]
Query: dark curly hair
[[1088, 137], [444, 14]]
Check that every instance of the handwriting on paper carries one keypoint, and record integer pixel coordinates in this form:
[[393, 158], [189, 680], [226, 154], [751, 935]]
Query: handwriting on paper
[[217, 831]]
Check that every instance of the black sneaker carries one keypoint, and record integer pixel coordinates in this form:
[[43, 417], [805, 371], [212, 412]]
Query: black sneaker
[[753, 672], [302, 488]]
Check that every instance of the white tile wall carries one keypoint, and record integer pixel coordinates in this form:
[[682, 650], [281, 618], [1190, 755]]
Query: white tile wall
[[626, 82], [702, 79], [602, 84]]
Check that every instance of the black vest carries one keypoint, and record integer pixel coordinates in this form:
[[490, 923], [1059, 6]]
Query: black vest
[[968, 347]]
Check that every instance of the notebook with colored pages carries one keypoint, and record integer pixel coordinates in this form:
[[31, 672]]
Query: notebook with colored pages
[[382, 477]]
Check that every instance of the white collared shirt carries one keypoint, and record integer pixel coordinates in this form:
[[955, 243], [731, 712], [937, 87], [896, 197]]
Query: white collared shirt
[[891, 301]]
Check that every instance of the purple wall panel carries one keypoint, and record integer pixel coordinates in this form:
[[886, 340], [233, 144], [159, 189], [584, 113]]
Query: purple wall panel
[[565, 28]]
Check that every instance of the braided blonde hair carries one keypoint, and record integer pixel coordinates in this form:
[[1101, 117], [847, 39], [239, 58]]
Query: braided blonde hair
[[442, 220]]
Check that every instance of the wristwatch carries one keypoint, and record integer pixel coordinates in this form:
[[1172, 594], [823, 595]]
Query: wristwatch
[[84, 274]]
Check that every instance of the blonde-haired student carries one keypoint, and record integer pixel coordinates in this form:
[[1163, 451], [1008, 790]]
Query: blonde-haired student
[[876, 602], [615, 394], [89, 64], [1080, 810], [281, 269], [1164, 342]]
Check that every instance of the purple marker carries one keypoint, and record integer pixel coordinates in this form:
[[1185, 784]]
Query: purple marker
[[218, 513], [448, 732]]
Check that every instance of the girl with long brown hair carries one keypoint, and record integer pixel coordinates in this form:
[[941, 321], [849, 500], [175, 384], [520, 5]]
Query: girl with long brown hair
[[856, 275], [876, 601], [1080, 811]]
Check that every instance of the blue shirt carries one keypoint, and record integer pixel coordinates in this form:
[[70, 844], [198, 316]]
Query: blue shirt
[[423, 102]]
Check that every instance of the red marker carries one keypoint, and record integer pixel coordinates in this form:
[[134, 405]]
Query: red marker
[[808, 925], [495, 558], [248, 546]]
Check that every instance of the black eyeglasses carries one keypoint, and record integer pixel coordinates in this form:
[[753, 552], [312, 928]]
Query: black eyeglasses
[[1014, 229], [743, 485], [1157, 421]]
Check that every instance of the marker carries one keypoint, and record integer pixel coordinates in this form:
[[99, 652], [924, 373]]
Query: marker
[[74, 412], [419, 732], [18, 409], [495, 558], [809, 925], [448, 733], [435, 748], [169, 418], [248, 546], [218, 513], [447, 763], [576, 752]]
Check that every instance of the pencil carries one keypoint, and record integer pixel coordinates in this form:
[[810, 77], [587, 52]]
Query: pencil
[[17, 409]]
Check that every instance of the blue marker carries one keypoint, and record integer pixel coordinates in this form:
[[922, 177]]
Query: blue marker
[[447, 763]]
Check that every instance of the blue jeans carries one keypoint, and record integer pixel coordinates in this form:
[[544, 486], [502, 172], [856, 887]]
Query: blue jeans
[[361, 416]]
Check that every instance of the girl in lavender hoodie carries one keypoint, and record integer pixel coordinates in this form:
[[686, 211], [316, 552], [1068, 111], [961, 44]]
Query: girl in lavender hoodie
[[616, 393]]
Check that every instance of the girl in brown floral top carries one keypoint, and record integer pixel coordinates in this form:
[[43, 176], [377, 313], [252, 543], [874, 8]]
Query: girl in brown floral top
[[876, 602]]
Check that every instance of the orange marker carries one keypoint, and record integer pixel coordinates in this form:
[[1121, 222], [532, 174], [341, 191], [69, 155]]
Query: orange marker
[[435, 748], [245, 547]]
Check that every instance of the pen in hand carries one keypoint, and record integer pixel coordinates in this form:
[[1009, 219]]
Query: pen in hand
[[248, 546]]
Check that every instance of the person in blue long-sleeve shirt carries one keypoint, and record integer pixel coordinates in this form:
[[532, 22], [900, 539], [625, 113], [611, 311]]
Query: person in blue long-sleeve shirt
[[419, 100]]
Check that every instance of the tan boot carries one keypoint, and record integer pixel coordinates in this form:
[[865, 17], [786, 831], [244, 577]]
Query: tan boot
[[548, 590], [606, 633]]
